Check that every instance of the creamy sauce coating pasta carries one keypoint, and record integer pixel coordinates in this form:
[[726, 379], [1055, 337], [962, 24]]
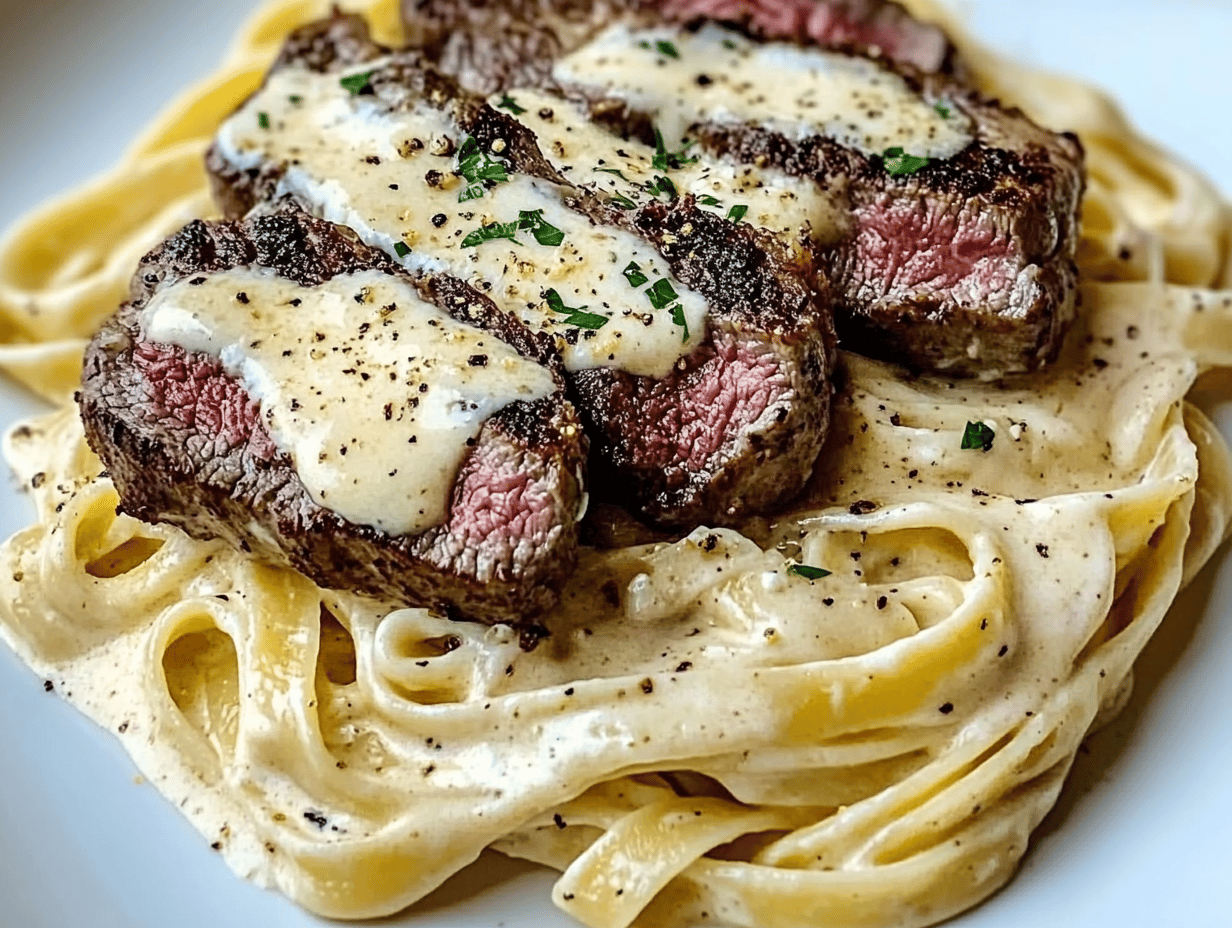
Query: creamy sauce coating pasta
[[707, 730]]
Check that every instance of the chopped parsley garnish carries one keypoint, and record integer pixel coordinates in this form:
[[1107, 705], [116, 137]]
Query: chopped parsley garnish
[[665, 160], [296, 99], [707, 200], [478, 170], [357, 83], [496, 230], [729, 44], [898, 162], [977, 437], [576, 314], [667, 48], [661, 293], [807, 572], [263, 120], [661, 184], [401, 249], [942, 109], [623, 201], [508, 103], [532, 221], [633, 274], [736, 213], [679, 319], [615, 171], [529, 220]]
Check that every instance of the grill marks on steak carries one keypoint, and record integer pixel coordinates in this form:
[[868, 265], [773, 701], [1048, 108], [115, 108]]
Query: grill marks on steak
[[965, 267], [185, 444], [493, 46], [735, 429]]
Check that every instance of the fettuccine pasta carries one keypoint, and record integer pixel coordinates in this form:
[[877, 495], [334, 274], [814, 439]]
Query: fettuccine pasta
[[707, 736]]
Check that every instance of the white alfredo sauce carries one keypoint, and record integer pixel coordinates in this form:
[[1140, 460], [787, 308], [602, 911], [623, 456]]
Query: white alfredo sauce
[[374, 393], [590, 156], [391, 177], [715, 75]]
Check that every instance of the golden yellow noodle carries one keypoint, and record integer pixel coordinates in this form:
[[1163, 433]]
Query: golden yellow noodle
[[704, 732]]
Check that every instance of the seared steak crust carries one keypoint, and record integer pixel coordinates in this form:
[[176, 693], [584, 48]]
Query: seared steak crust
[[186, 445], [735, 429], [497, 44], [965, 267]]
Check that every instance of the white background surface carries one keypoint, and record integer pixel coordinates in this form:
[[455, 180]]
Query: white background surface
[[1142, 837]]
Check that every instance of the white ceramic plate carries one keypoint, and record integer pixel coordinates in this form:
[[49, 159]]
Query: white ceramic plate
[[1141, 835]]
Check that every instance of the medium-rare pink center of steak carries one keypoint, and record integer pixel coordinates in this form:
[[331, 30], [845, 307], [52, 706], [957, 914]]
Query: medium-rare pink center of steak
[[870, 25], [919, 245]]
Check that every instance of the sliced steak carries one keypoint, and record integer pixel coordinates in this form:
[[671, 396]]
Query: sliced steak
[[187, 444], [728, 427], [739, 419], [498, 44], [964, 266]]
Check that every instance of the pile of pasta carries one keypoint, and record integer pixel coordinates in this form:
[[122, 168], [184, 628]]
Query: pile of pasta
[[706, 735]]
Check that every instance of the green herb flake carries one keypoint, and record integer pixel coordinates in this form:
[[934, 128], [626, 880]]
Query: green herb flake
[[729, 44], [263, 120], [707, 200], [478, 170], [633, 274], [490, 233], [576, 314], [401, 249], [665, 160], [667, 48], [619, 173], [623, 201], [943, 110], [357, 83], [661, 293], [661, 185], [807, 572], [898, 162], [508, 103], [977, 437], [295, 99], [679, 319], [736, 213], [532, 221]]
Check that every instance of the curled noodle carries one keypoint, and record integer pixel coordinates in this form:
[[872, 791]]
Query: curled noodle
[[706, 730]]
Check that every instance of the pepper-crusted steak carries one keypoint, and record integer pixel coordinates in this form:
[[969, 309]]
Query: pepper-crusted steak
[[185, 444]]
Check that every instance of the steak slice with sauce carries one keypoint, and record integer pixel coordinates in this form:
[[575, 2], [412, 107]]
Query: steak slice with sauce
[[187, 444], [499, 44], [964, 266], [734, 424]]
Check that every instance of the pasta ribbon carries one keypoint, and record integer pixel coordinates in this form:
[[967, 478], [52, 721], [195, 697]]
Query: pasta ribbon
[[852, 714]]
